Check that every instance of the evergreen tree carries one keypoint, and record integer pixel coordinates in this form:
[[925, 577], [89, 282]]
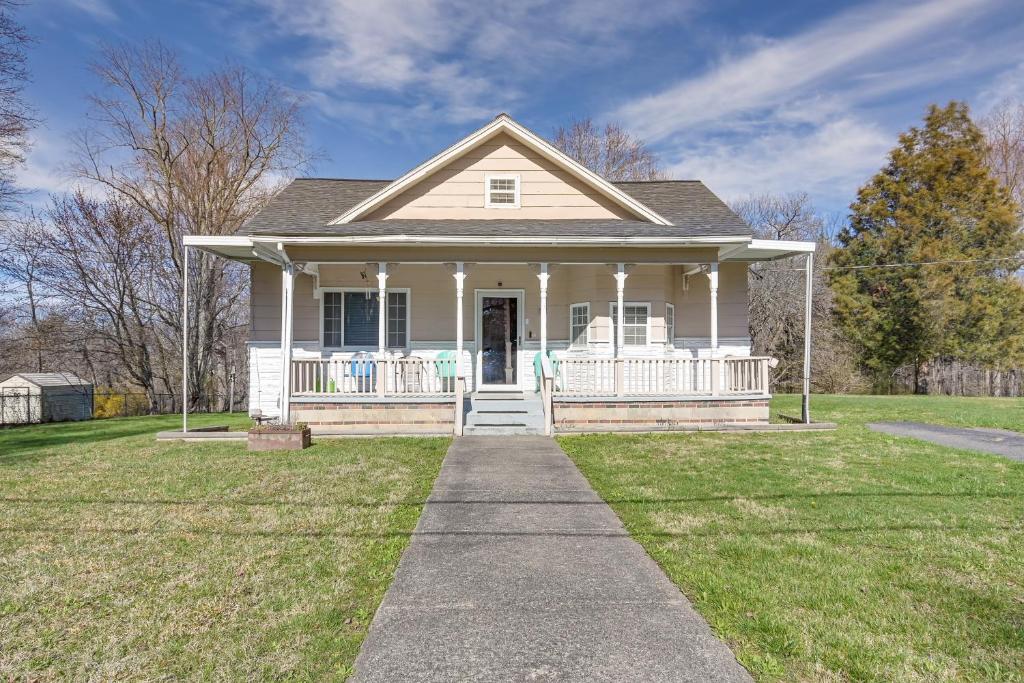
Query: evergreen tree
[[935, 200]]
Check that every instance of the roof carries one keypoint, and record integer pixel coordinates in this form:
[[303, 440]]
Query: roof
[[52, 379], [307, 206]]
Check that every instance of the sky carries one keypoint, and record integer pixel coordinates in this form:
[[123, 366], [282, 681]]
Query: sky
[[750, 97]]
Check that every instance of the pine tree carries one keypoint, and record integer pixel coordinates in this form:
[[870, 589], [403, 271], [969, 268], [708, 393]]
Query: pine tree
[[935, 200]]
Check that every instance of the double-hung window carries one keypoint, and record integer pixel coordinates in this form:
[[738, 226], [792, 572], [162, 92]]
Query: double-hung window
[[579, 324], [351, 319], [501, 192], [670, 324], [636, 324]]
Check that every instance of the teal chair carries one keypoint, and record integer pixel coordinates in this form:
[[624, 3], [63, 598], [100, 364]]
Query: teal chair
[[554, 366], [446, 367]]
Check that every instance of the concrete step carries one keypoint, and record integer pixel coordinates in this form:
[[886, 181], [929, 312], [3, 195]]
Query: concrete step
[[504, 430], [498, 395], [504, 419], [506, 406]]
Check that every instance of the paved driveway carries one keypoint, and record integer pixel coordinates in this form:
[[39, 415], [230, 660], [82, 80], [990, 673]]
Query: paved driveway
[[519, 572], [996, 441]]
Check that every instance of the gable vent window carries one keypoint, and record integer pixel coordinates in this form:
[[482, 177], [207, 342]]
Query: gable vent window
[[502, 191]]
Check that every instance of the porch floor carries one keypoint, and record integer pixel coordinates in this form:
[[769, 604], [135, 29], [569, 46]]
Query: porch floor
[[518, 571]]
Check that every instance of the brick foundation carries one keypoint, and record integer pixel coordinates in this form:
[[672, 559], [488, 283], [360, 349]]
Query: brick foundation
[[625, 414], [376, 417]]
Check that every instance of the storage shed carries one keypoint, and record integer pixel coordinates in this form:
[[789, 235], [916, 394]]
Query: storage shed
[[44, 397]]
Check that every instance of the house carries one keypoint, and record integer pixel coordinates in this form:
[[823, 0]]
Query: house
[[44, 397], [498, 287]]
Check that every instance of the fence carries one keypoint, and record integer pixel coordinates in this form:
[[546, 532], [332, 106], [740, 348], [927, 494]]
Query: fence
[[951, 377], [19, 406]]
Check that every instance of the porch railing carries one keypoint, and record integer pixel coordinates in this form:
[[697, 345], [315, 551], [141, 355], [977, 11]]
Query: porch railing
[[661, 376], [368, 376]]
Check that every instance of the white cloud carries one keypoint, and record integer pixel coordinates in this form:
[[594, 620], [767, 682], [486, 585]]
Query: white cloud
[[829, 162], [460, 59], [780, 70], [98, 9]]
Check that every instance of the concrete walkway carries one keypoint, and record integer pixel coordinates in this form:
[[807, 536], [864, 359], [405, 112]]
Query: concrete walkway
[[996, 441], [519, 572]]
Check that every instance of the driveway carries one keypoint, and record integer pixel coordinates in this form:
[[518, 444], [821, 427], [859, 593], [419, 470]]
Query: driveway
[[519, 572], [995, 441]]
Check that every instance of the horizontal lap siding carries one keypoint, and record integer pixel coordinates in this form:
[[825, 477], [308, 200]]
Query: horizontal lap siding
[[457, 190]]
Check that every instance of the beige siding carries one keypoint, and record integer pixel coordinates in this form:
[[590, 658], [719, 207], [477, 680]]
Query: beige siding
[[693, 305], [504, 254], [432, 299], [457, 190]]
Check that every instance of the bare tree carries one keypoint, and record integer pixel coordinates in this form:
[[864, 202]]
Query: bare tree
[[1004, 132], [776, 297], [16, 116], [22, 251], [194, 155], [612, 153]]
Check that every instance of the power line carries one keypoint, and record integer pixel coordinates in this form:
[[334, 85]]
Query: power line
[[909, 264]]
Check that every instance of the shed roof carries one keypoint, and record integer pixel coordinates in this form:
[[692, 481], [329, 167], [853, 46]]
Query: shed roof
[[51, 379]]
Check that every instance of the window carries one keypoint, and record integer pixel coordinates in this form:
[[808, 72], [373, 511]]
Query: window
[[501, 192], [361, 319], [332, 318], [579, 324], [670, 324], [398, 320], [351, 318], [636, 325]]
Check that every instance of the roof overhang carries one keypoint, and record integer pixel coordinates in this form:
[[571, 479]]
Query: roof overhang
[[769, 250], [501, 124]]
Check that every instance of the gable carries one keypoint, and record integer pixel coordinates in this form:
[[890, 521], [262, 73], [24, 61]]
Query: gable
[[457, 190]]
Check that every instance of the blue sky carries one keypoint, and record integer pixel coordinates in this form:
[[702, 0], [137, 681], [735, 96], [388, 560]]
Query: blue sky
[[750, 97]]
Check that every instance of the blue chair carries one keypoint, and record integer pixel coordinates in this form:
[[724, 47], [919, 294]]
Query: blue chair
[[554, 366], [446, 367]]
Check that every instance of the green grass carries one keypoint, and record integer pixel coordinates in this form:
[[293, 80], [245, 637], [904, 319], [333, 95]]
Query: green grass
[[835, 556], [126, 559]]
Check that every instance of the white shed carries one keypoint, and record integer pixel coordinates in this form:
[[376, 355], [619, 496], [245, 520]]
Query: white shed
[[44, 397]]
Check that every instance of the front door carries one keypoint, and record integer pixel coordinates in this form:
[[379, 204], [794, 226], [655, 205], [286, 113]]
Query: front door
[[499, 335]]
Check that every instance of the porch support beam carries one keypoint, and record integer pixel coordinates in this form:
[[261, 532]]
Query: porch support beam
[[382, 306], [713, 285], [543, 276], [460, 280], [805, 411], [620, 313], [287, 298]]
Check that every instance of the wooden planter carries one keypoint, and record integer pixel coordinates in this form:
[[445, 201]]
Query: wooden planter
[[279, 439]]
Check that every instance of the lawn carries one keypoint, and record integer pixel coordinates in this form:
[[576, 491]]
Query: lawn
[[127, 559], [834, 556]]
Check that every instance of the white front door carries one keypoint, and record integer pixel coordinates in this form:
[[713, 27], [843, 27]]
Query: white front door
[[499, 339]]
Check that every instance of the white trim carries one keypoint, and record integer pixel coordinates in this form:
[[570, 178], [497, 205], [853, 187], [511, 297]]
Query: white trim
[[611, 316], [586, 332], [478, 296], [463, 240], [515, 190], [343, 348], [501, 124]]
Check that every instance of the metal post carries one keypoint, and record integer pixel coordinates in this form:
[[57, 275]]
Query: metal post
[[184, 340], [805, 411]]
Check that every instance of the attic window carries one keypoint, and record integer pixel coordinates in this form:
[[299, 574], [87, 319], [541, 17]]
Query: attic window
[[501, 192]]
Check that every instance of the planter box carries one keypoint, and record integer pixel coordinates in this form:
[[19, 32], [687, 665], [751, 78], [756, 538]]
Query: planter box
[[292, 440]]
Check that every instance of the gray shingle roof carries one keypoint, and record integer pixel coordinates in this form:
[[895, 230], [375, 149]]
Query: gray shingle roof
[[52, 379], [307, 205]]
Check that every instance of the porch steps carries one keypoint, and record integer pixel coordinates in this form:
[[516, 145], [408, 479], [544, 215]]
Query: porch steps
[[504, 413]]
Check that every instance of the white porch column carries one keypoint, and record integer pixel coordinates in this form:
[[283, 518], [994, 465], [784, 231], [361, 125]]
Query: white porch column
[[287, 297], [620, 313], [713, 284], [808, 298], [184, 340], [460, 279], [382, 306], [543, 276]]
